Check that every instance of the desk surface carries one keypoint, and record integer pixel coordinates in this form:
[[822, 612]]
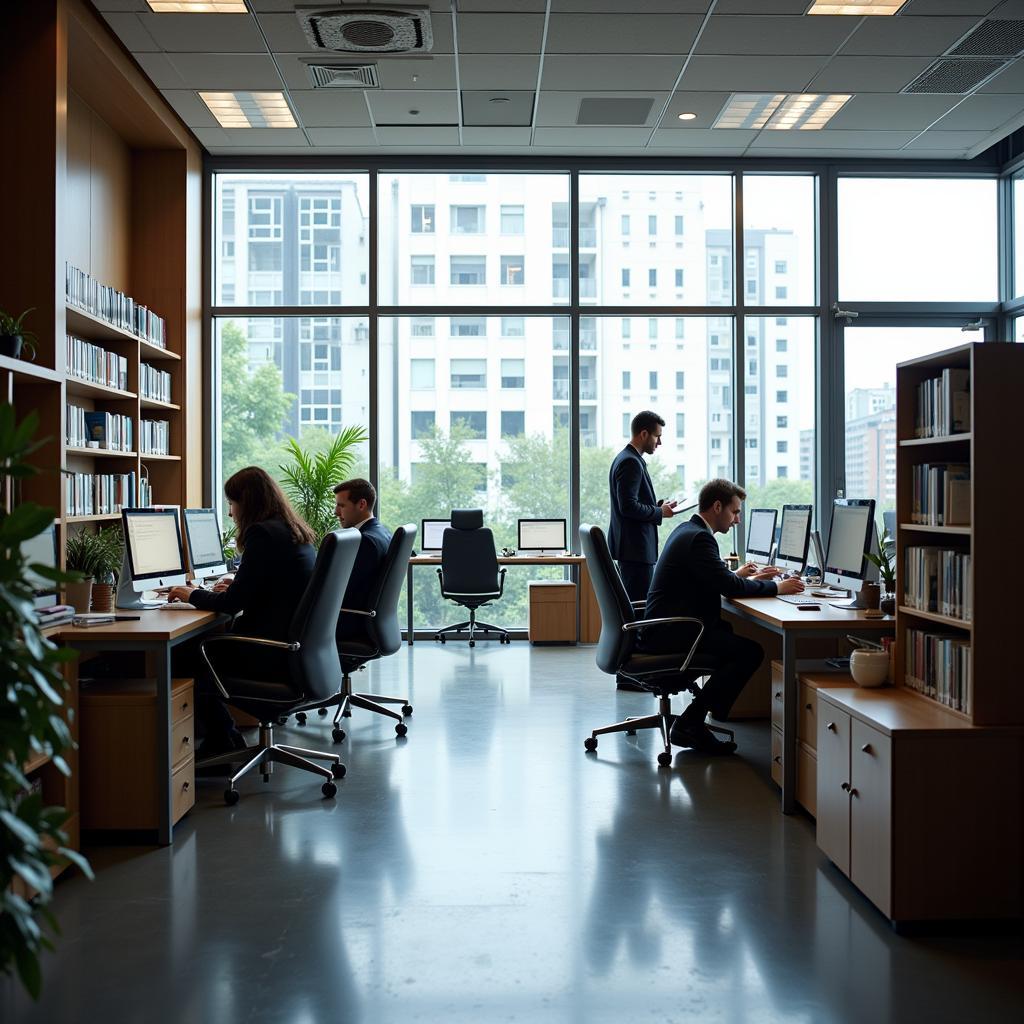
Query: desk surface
[[514, 560], [782, 615], [152, 624]]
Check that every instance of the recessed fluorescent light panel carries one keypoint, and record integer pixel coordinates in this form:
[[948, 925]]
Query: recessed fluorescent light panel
[[807, 111], [748, 110], [249, 109], [197, 6], [857, 10]]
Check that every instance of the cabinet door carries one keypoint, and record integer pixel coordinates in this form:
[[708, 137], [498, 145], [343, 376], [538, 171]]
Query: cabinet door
[[834, 784], [871, 814]]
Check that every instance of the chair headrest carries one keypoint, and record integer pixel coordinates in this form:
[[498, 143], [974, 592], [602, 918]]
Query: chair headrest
[[467, 518]]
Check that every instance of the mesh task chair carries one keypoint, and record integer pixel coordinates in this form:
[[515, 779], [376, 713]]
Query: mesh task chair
[[620, 649], [382, 636], [271, 678], [469, 574]]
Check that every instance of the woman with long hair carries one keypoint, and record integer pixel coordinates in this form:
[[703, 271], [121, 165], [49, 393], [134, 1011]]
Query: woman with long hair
[[278, 554]]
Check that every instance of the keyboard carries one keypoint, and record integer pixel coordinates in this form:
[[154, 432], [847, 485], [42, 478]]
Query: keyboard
[[809, 597], [177, 606]]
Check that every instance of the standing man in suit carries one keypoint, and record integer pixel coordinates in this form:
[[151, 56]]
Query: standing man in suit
[[353, 505], [636, 513], [691, 579]]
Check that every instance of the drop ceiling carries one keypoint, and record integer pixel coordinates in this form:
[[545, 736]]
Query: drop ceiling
[[512, 76]]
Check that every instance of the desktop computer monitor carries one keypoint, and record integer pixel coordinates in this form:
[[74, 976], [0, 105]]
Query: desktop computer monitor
[[432, 534], [850, 539], [153, 555], [41, 550], [794, 537], [761, 535], [205, 548], [540, 536]]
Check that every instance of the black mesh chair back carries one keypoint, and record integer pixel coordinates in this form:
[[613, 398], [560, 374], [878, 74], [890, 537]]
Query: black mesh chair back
[[616, 645], [383, 630], [469, 563]]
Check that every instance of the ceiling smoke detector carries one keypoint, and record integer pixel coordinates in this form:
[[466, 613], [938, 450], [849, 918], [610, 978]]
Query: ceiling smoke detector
[[367, 29]]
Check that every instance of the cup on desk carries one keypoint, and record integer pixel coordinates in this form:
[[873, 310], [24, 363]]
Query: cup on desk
[[870, 595]]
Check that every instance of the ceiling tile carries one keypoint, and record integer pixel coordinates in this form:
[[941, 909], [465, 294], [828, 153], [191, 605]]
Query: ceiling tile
[[762, 6], [749, 74], [949, 7], [622, 33], [703, 139], [433, 108], [616, 6], [131, 32], [868, 74], [284, 33], [982, 113], [206, 33], [706, 105], [500, 33], [212, 136], [947, 141], [160, 71], [898, 37], [778, 35], [498, 71], [393, 72], [226, 70], [426, 136], [270, 137], [120, 5], [612, 72], [591, 136], [190, 108], [835, 140], [1009, 9], [331, 108], [883, 112], [561, 108], [513, 109], [341, 136], [1011, 80], [527, 6], [503, 136]]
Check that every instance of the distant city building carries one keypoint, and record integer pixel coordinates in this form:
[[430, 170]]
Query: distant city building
[[871, 445]]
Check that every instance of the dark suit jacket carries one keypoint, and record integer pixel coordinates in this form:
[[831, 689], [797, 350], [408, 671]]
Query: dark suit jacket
[[691, 578], [269, 582], [373, 546], [633, 531]]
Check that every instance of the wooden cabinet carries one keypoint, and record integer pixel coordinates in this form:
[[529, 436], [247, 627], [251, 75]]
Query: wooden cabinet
[[552, 611], [871, 814], [833, 785]]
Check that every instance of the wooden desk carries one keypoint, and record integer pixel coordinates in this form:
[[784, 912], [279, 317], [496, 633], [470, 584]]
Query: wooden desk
[[155, 634], [793, 625], [588, 616]]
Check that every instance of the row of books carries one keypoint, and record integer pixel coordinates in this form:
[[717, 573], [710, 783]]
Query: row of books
[[154, 383], [99, 494], [145, 492], [154, 437], [96, 364], [939, 666], [938, 580], [944, 404], [941, 494], [115, 307], [107, 430]]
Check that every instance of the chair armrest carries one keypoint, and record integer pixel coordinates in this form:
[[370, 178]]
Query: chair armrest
[[639, 604], [501, 581], [234, 638], [358, 611], [628, 627]]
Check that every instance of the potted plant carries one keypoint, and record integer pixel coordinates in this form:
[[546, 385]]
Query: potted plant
[[31, 724], [885, 559], [107, 565], [86, 555], [14, 337]]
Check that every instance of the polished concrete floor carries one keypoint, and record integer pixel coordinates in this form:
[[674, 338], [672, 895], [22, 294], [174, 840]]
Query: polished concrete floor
[[487, 869]]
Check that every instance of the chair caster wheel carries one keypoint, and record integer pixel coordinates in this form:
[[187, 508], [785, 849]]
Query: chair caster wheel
[[347, 713], [437, 636], [322, 712], [442, 640], [231, 797], [407, 710], [665, 759], [590, 743], [401, 729], [338, 735], [283, 720], [329, 790], [631, 732], [338, 770], [300, 717], [472, 643]]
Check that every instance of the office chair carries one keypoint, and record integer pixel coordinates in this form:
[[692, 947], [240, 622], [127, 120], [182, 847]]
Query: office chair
[[271, 678], [620, 647], [383, 636], [469, 573]]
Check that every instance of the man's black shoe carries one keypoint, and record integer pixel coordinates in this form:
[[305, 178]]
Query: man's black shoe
[[625, 683], [699, 738]]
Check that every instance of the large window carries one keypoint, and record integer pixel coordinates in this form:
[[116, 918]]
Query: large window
[[779, 239]]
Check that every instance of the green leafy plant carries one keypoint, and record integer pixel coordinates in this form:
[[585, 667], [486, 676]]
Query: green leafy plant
[[885, 561], [308, 480], [91, 554], [32, 723], [14, 327]]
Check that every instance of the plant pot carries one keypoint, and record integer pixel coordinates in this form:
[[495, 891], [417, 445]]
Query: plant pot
[[79, 595], [869, 668], [888, 604], [10, 345], [103, 597]]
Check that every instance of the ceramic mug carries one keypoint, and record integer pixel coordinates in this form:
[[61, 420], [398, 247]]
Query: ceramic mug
[[869, 668]]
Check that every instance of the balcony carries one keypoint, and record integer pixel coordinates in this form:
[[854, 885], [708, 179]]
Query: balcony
[[560, 288], [588, 288], [560, 390], [588, 390], [560, 237]]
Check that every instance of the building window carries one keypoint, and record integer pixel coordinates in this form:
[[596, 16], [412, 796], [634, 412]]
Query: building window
[[680, 380], [513, 373], [423, 219], [680, 424], [421, 374], [625, 424], [627, 327], [751, 442], [781, 422], [751, 287], [422, 327], [512, 269], [469, 373], [513, 424], [781, 292], [467, 220], [469, 270], [652, 328], [751, 366], [467, 326], [781, 344], [422, 270], [781, 397], [781, 321], [716, 444], [680, 327], [513, 327], [780, 266], [782, 446], [652, 278], [679, 226], [627, 380], [467, 177], [652, 380], [625, 277], [652, 224], [473, 424], [781, 370], [422, 424], [513, 221], [782, 472], [679, 277], [625, 223]]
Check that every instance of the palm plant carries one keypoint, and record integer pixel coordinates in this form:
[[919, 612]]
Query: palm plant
[[308, 480], [885, 559]]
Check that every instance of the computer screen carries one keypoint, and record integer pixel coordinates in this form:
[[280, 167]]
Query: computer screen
[[849, 540], [41, 550], [153, 546], [432, 533], [761, 535], [541, 535], [794, 537], [205, 550]]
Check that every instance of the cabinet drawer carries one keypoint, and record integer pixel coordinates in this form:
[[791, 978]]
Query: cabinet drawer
[[778, 703], [807, 779], [554, 592], [777, 756], [183, 789], [807, 716], [182, 740], [871, 814], [182, 699], [832, 808]]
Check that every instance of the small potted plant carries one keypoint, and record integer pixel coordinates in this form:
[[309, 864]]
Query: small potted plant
[[14, 337], [87, 556], [885, 559], [108, 564]]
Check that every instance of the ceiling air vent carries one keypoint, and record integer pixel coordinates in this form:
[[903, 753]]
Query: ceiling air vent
[[954, 77], [613, 110], [344, 76], [992, 38], [367, 29]]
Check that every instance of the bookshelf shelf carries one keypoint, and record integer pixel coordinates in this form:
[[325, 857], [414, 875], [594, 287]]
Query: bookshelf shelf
[[963, 531], [106, 518], [87, 389], [100, 453], [946, 620], [35, 763], [94, 328], [151, 352], [154, 403], [28, 369], [918, 442], [147, 456]]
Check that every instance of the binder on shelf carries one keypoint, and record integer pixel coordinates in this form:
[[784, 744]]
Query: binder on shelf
[[154, 383]]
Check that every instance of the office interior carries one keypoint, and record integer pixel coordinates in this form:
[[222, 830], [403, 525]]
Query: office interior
[[474, 239]]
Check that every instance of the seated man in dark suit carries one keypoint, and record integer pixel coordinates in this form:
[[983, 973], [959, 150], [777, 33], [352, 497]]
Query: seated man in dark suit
[[690, 579], [353, 505]]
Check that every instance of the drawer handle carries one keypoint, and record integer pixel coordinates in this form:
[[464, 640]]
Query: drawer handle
[[845, 787], [184, 787], [866, 749], [831, 726], [807, 707], [853, 792], [186, 740], [778, 695], [777, 759]]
